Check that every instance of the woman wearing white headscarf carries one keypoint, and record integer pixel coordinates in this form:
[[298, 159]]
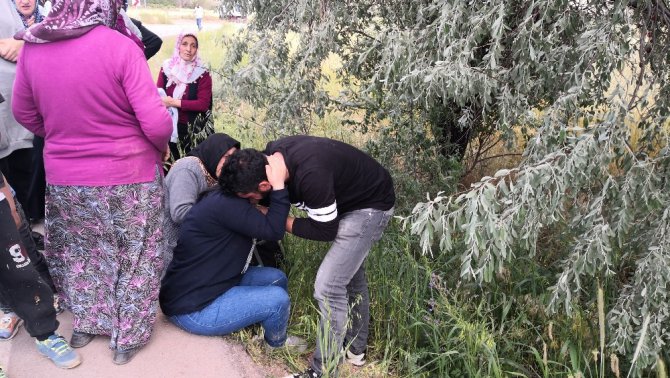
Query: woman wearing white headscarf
[[189, 89]]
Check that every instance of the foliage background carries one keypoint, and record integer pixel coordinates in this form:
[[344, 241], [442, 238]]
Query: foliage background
[[556, 263]]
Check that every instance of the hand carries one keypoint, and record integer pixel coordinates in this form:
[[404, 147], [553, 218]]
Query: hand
[[166, 154], [10, 48], [171, 102], [276, 171]]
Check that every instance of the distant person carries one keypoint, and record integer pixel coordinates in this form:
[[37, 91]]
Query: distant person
[[25, 290], [349, 200], [104, 176], [199, 14], [188, 86], [209, 288]]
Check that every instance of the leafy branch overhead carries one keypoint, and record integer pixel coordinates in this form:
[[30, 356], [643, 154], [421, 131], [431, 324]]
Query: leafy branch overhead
[[587, 82]]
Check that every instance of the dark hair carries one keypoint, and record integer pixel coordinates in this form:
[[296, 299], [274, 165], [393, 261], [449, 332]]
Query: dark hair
[[243, 171]]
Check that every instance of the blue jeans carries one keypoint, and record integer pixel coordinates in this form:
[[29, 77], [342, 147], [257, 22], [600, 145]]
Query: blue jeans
[[261, 297], [198, 21], [341, 284]]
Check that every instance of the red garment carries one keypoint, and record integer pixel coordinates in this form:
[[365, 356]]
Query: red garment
[[200, 104]]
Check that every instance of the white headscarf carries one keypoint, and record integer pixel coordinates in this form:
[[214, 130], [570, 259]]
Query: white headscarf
[[181, 72]]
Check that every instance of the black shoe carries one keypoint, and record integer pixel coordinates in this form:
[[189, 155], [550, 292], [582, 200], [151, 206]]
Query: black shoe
[[80, 339], [122, 357], [309, 373]]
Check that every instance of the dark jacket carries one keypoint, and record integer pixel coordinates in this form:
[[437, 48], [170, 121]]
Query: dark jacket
[[152, 43], [214, 248], [328, 178]]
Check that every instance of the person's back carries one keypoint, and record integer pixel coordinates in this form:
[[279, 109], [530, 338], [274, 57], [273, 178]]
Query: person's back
[[358, 180], [105, 131], [199, 13], [329, 178], [95, 128]]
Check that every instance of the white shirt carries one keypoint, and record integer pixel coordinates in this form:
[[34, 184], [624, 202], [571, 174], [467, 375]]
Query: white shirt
[[199, 12]]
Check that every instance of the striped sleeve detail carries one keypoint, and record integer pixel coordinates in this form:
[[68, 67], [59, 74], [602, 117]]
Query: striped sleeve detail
[[324, 214]]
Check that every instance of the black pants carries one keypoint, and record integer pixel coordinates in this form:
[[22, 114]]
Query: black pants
[[38, 183], [37, 259], [185, 142], [17, 168], [20, 284]]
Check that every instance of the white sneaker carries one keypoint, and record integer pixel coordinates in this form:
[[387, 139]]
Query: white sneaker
[[356, 359], [296, 343]]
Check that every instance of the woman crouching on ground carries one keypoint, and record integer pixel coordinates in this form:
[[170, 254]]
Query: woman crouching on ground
[[209, 288]]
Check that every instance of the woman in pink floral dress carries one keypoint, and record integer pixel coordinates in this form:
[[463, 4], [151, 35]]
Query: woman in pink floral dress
[[106, 133]]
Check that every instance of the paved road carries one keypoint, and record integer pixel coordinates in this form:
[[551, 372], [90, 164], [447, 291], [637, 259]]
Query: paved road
[[166, 30]]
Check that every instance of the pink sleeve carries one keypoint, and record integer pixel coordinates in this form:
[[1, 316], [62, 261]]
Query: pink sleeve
[[138, 85], [23, 103], [201, 103]]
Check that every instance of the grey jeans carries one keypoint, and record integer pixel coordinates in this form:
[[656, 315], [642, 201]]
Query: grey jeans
[[341, 285]]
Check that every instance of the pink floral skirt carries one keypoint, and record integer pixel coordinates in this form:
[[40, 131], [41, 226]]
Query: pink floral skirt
[[104, 246]]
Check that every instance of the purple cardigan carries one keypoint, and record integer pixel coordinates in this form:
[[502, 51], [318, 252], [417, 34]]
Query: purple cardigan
[[94, 101]]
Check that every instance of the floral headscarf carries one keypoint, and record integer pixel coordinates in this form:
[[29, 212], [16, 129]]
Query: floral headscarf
[[180, 72], [71, 19]]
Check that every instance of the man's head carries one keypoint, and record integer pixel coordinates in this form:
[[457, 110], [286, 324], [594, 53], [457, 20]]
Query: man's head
[[243, 175]]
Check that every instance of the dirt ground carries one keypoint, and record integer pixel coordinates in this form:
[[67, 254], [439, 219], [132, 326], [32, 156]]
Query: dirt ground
[[170, 353]]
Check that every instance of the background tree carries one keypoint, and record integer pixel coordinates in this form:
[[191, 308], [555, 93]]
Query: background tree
[[586, 83]]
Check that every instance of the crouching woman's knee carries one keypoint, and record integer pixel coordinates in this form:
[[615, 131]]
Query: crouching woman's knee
[[278, 298]]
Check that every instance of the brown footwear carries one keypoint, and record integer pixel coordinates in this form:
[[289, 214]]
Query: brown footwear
[[80, 339], [122, 357]]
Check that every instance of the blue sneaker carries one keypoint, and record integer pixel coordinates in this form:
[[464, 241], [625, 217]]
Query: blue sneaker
[[58, 350]]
